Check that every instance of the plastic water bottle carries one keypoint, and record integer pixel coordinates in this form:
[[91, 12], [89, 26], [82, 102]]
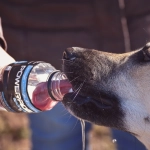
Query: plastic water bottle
[[31, 87]]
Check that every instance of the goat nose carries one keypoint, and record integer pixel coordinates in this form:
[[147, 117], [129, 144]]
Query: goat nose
[[69, 54]]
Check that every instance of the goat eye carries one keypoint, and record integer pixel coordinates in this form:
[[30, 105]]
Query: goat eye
[[146, 52]]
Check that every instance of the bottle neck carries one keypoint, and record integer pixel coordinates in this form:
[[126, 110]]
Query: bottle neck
[[58, 85]]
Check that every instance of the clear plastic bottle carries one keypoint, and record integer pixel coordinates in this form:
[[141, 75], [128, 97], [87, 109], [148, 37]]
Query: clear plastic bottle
[[31, 87]]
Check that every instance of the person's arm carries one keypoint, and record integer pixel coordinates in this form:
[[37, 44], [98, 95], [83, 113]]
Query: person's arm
[[5, 58]]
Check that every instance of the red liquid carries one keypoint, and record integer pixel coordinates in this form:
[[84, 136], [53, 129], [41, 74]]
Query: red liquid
[[41, 98]]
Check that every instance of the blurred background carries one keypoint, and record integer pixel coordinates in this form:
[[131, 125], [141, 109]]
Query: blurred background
[[42, 30], [15, 134]]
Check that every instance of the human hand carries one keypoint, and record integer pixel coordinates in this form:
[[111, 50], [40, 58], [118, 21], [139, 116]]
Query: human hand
[[5, 59]]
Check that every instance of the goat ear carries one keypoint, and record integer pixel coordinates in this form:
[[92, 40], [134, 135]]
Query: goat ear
[[146, 52]]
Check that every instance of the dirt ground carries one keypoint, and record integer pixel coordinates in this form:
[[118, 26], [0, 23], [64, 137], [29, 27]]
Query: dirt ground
[[15, 135]]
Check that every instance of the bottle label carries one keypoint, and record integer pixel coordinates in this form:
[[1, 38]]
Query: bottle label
[[15, 82]]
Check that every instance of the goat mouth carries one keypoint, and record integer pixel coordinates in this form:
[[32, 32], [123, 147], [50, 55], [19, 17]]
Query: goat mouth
[[80, 100]]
